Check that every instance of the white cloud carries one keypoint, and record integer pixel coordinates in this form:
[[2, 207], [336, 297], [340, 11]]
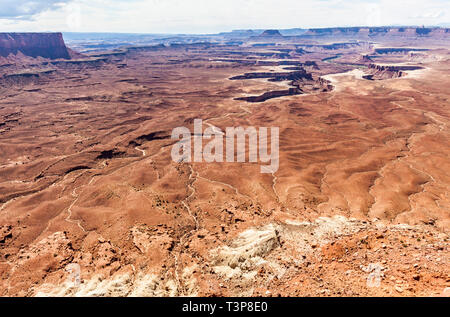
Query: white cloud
[[25, 9], [210, 16], [429, 15]]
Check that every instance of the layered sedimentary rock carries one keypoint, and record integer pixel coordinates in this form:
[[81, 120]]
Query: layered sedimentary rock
[[387, 71], [275, 76], [301, 80], [370, 32], [92, 204], [47, 45], [271, 94], [398, 50]]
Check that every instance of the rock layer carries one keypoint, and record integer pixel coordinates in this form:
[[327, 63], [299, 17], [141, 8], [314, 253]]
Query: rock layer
[[370, 32], [47, 45], [387, 71]]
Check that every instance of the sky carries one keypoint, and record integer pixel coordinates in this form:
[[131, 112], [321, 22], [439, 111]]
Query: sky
[[213, 16]]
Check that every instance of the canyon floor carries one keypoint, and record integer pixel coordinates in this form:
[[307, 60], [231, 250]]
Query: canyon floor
[[91, 203]]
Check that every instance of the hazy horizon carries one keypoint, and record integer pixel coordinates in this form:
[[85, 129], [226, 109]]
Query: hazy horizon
[[211, 17], [228, 31]]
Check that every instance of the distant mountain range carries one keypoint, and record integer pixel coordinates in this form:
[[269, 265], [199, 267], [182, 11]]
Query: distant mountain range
[[51, 45]]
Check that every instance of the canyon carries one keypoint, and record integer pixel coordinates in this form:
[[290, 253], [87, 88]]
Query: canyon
[[91, 203]]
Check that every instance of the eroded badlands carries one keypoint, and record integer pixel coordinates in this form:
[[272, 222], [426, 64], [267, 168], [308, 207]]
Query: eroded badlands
[[86, 176]]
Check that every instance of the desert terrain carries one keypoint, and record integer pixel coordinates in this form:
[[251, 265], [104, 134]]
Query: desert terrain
[[91, 203]]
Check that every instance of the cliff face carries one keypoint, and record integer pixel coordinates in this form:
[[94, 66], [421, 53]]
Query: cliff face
[[379, 72], [369, 32], [47, 45]]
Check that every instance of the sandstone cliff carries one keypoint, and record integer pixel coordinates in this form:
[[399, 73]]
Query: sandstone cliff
[[47, 45], [379, 72]]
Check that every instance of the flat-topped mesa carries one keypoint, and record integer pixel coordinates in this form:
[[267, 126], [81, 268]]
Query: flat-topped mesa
[[271, 33], [380, 72], [393, 68], [46, 45]]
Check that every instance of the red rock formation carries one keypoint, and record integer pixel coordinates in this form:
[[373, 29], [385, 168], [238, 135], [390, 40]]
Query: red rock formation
[[393, 68], [386, 71], [272, 94], [47, 45], [370, 32], [325, 84]]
